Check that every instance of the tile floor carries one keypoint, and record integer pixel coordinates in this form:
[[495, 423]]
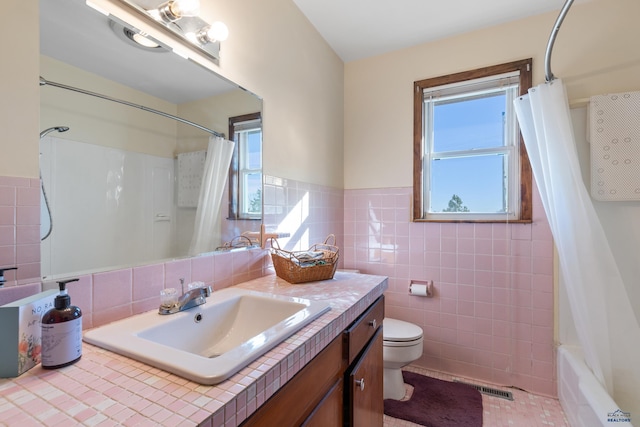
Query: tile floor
[[526, 409]]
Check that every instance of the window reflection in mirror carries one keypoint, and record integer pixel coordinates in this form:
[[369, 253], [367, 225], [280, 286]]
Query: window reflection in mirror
[[245, 173]]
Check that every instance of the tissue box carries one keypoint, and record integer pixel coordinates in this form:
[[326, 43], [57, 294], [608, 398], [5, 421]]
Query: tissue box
[[20, 333]]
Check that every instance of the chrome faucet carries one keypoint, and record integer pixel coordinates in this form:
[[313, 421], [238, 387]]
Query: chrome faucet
[[189, 299]]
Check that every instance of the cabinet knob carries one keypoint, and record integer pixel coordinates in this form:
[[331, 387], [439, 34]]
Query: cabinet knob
[[360, 383], [373, 323]]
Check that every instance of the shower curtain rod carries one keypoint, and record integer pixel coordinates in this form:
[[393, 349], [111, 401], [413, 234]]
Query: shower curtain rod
[[552, 38], [44, 82]]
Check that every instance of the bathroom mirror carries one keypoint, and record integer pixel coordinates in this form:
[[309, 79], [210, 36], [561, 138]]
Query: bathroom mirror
[[120, 163]]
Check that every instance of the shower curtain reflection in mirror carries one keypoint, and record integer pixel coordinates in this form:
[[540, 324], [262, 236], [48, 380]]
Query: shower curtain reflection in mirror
[[206, 233]]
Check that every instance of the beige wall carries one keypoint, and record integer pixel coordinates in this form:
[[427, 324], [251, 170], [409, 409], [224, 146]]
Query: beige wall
[[95, 121], [272, 51], [213, 112], [596, 52], [19, 91], [280, 56]]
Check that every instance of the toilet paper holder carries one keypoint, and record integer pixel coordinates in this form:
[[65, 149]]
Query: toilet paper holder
[[421, 288]]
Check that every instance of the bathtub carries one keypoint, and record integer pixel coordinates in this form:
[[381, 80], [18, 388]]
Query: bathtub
[[585, 402]]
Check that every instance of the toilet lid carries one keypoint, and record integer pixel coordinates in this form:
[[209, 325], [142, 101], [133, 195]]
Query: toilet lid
[[398, 330]]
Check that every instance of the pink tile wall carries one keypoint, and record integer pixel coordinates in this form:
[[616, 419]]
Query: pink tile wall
[[308, 212], [492, 314], [10, 294], [20, 228], [491, 318]]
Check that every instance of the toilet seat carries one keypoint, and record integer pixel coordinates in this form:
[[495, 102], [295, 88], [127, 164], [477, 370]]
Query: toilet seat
[[397, 333]]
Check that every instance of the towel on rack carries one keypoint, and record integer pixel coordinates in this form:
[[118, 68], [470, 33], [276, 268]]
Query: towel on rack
[[190, 173], [614, 131]]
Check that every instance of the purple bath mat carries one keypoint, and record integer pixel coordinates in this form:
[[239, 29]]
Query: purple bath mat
[[437, 403]]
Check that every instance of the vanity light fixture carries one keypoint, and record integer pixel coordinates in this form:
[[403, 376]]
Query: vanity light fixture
[[135, 37], [181, 18], [143, 40], [212, 33], [174, 10]]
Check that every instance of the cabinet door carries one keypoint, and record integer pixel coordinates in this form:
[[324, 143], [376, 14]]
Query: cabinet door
[[365, 386], [298, 398], [330, 411]]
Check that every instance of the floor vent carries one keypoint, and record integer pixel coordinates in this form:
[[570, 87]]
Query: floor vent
[[490, 391]]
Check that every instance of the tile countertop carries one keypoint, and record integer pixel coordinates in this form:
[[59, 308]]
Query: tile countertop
[[106, 389]]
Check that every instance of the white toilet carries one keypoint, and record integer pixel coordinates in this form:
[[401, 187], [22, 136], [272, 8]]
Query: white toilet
[[402, 344]]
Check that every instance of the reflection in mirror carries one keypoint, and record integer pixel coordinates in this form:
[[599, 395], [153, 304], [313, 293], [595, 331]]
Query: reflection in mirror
[[181, 18], [123, 184], [245, 173]]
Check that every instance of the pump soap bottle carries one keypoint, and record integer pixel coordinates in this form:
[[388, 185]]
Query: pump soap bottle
[[61, 331]]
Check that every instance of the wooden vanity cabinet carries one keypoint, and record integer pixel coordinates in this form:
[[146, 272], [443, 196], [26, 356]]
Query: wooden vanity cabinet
[[310, 394], [365, 393], [327, 392], [330, 410], [364, 405]]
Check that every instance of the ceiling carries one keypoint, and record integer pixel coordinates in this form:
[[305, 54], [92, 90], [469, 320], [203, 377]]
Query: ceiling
[[78, 35], [358, 29]]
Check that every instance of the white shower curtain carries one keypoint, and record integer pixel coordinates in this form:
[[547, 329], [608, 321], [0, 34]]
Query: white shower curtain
[[206, 231], [606, 325]]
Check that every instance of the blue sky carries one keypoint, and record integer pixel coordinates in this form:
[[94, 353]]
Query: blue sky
[[254, 161], [477, 180]]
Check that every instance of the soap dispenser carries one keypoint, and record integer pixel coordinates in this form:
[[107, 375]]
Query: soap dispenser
[[61, 331]]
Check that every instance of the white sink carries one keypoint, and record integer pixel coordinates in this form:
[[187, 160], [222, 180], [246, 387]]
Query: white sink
[[209, 343]]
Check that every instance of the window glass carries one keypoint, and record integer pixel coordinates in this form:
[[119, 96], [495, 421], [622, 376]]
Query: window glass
[[477, 181], [245, 174], [470, 122], [469, 160], [250, 159]]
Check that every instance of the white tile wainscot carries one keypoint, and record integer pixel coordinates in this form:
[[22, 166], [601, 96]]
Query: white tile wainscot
[[107, 389]]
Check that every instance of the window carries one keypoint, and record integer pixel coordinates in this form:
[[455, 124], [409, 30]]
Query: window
[[470, 163], [245, 173]]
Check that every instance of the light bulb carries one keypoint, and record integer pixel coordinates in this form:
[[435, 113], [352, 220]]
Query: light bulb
[[217, 32], [182, 8], [173, 10]]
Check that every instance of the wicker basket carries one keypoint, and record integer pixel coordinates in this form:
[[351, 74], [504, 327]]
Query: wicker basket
[[297, 267]]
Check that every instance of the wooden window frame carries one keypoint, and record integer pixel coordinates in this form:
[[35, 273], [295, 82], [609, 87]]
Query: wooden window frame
[[526, 181], [234, 168]]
